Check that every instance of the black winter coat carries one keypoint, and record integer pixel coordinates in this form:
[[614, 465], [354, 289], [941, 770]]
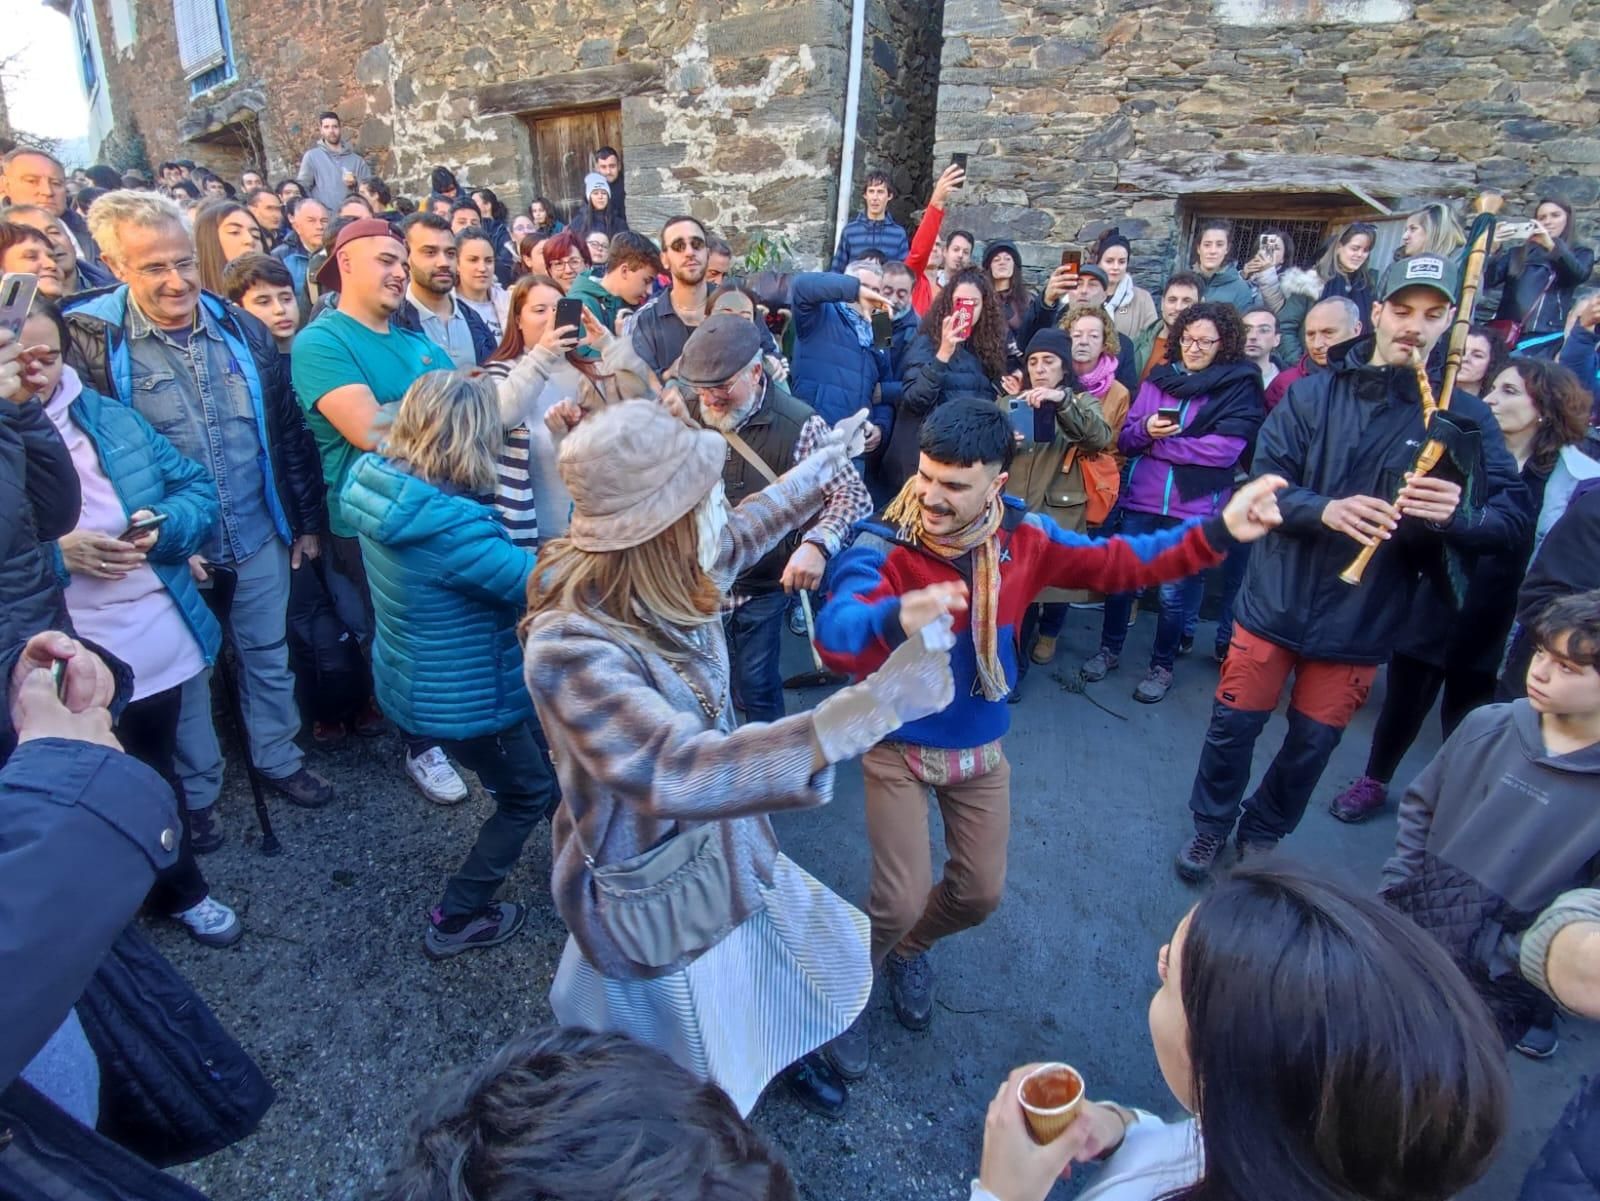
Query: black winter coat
[[1354, 430], [39, 502], [1537, 284], [296, 466], [925, 384]]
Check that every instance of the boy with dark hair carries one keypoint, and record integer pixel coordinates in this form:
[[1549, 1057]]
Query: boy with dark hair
[[1181, 291], [584, 1117], [631, 269], [873, 230], [1507, 817], [262, 286], [952, 523]]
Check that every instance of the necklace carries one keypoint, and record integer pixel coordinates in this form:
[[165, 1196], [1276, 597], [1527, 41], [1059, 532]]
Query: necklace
[[713, 713]]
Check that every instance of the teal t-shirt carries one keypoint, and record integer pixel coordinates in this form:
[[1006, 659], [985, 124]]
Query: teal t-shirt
[[335, 351]]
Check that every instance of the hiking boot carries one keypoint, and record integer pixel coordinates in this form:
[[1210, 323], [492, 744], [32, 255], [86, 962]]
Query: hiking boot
[[494, 923], [812, 1081], [1254, 848], [432, 774], [1194, 862], [1220, 651], [205, 830], [911, 989], [304, 788], [1185, 645], [370, 722], [1360, 801], [1155, 686], [327, 733], [1044, 649], [1540, 1042], [212, 923], [851, 1053], [1099, 667]]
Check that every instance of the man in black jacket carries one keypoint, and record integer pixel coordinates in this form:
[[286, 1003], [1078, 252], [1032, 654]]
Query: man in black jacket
[[431, 306], [209, 378], [1345, 439]]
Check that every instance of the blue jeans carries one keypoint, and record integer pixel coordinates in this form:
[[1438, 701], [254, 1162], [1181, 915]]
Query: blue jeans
[[755, 637], [1232, 578], [1178, 599]]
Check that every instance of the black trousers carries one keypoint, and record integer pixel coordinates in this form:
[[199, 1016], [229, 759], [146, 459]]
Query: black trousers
[[148, 730], [1413, 687]]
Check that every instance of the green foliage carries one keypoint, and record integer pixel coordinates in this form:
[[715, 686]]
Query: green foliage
[[767, 251]]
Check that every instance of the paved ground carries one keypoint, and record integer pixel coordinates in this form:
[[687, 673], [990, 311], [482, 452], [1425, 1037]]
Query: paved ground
[[330, 990]]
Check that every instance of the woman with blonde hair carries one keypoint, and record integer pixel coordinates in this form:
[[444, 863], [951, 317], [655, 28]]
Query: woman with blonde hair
[[689, 930], [1432, 229], [447, 588]]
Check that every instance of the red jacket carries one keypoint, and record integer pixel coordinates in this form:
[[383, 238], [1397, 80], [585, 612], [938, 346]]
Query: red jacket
[[1279, 387], [921, 247]]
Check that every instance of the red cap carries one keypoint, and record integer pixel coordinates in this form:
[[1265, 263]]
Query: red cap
[[365, 227]]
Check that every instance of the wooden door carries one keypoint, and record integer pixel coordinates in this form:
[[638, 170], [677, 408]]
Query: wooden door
[[563, 152]]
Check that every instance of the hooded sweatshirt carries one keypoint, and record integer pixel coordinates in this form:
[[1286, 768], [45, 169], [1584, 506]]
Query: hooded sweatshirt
[[1498, 806]]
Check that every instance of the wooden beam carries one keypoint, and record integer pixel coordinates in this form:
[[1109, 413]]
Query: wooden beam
[[1252, 171], [568, 90]]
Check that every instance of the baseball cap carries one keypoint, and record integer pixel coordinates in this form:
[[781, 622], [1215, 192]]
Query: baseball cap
[[721, 346], [1420, 271], [327, 276]]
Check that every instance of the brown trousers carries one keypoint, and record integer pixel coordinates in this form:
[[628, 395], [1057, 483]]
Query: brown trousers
[[909, 912]]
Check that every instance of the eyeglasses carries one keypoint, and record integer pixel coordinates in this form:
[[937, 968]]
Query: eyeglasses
[[680, 245], [722, 394], [575, 261], [154, 271], [1198, 343]]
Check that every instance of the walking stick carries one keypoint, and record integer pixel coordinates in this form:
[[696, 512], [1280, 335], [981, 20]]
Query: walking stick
[[218, 593], [1433, 450], [821, 677]]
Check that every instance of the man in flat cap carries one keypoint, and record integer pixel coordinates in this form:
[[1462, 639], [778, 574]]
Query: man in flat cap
[[768, 431]]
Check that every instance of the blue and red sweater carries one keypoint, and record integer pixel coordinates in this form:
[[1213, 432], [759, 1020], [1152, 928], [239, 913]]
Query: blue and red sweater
[[860, 623]]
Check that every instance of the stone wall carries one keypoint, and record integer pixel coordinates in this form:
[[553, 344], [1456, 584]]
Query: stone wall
[[899, 99], [1081, 113]]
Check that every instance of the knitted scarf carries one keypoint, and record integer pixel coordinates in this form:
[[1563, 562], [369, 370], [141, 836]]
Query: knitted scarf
[[904, 513], [1098, 379]]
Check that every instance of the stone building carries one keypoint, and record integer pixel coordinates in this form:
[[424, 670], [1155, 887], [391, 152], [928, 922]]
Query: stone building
[[1075, 113]]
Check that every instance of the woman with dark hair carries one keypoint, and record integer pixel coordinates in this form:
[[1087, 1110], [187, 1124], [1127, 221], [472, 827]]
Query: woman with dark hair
[[379, 196], [951, 356], [1327, 1047], [1537, 279], [28, 251], [1286, 289], [533, 505], [596, 211], [566, 256], [1132, 308], [1540, 408], [1025, 313], [1191, 425], [530, 255], [1482, 359], [543, 211], [492, 215], [223, 231], [442, 182]]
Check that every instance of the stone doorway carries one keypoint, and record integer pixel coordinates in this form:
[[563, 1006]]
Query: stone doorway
[[563, 146]]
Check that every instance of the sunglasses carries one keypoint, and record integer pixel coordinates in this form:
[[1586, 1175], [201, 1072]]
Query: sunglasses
[[680, 245]]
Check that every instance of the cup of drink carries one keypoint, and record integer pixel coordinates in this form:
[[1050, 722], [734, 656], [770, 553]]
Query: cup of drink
[[1050, 1096]]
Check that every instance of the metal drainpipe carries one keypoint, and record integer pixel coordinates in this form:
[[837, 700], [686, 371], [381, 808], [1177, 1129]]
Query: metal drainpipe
[[852, 112]]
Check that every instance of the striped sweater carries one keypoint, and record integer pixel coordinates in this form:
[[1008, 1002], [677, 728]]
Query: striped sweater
[[636, 754], [860, 623]]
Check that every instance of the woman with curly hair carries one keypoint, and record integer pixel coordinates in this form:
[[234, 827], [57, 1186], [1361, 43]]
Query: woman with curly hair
[[1540, 408], [1187, 431], [959, 351]]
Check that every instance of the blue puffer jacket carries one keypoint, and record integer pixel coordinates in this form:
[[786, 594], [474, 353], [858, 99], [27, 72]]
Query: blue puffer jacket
[[147, 472], [447, 589], [833, 372]]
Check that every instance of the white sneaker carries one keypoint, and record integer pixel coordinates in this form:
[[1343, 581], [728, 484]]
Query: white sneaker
[[432, 773], [212, 923]]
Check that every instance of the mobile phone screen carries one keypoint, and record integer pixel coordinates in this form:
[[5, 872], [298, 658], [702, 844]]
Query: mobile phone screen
[[1072, 257], [959, 160], [1172, 415], [882, 330]]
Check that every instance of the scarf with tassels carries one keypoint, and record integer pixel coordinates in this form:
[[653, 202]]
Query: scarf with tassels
[[904, 513]]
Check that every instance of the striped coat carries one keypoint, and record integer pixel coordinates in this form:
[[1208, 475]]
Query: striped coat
[[638, 756]]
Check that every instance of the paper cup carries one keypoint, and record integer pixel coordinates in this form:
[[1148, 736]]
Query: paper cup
[[1050, 1097]]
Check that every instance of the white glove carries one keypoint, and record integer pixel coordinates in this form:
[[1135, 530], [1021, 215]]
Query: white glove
[[848, 439], [914, 682]]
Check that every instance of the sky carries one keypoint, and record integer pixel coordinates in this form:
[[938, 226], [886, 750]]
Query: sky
[[43, 94]]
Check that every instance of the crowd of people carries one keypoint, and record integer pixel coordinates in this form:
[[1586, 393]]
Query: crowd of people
[[545, 495]]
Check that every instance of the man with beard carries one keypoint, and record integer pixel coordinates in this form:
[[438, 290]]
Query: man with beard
[[768, 432], [1328, 323], [330, 170], [662, 328], [1261, 338], [432, 307], [353, 359], [958, 252], [1344, 438]]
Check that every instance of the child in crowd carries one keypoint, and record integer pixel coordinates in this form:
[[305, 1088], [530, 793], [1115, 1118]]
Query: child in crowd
[[262, 286], [1507, 817]]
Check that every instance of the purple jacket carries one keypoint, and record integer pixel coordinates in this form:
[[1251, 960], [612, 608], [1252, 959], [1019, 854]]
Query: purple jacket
[[1150, 460]]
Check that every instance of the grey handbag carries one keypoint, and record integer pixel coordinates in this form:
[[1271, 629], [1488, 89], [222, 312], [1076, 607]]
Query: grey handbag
[[674, 901]]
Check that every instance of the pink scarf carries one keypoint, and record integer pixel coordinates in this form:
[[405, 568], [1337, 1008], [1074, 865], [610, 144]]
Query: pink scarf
[[1097, 380]]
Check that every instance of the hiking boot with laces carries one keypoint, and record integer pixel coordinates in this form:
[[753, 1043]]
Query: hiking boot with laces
[[1099, 667], [1360, 801], [1044, 649], [1154, 687], [911, 989], [491, 925], [1195, 860]]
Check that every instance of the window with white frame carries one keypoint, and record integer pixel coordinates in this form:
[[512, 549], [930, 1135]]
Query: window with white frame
[[82, 16], [124, 26]]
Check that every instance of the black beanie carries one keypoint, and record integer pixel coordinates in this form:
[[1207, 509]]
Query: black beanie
[[1051, 340]]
